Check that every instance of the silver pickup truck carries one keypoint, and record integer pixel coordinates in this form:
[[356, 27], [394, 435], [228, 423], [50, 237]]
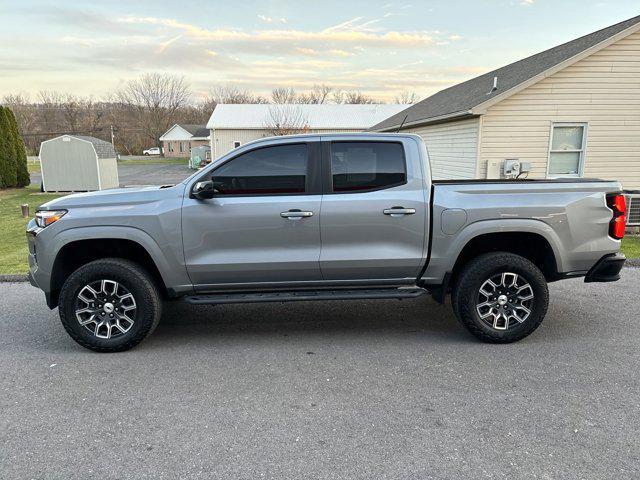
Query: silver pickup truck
[[322, 217]]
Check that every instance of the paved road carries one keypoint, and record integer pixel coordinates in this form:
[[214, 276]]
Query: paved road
[[366, 389], [154, 174]]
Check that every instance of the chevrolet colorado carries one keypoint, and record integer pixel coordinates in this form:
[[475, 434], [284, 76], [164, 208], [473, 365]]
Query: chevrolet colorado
[[322, 217]]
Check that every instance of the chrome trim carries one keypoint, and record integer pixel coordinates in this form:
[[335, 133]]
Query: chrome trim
[[398, 211], [296, 214]]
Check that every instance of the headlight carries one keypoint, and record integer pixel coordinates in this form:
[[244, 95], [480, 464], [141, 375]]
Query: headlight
[[44, 218]]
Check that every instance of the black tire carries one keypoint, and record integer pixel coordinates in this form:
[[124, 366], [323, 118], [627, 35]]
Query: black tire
[[466, 296], [130, 276]]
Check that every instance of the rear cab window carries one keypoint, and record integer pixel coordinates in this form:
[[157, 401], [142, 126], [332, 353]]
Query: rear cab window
[[367, 166]]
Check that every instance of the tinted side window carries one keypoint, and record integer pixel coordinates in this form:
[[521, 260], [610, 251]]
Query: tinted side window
[[358, 166], [271, 170]]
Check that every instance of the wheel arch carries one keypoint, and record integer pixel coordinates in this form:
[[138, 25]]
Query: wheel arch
[[531, 239], [77, 247]]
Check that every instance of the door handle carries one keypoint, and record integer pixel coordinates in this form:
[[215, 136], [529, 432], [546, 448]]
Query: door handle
[[295, 213], [399, 211]]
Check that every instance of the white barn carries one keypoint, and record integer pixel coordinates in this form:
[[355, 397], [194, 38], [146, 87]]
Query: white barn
[[232, 125]]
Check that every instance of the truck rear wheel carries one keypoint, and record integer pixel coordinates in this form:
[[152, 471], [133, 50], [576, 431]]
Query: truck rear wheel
[[500, 297], [109, 305]]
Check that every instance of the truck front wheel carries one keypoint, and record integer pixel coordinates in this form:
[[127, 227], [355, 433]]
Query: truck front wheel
[[500, 297], [109, 305]]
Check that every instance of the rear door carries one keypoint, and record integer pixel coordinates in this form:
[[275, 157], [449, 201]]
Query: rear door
[[374, 210], [263, 225]]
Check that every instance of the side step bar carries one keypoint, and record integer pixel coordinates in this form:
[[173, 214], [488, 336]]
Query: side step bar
[[305, 295]]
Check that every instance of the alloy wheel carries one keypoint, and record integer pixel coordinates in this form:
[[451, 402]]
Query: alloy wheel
[[106, 308], [504, 300]]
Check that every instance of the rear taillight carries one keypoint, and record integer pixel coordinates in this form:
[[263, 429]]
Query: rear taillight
[[618, 223]]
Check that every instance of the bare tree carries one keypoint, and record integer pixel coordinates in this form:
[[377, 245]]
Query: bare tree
[[318, 94], [155, 99], [355, 96], [352, 96], [407, 97], [49, 103], [284, 95], [72, 109], [232, 94], [286, 120]]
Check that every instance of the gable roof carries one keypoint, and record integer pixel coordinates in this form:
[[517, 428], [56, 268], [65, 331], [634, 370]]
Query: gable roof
[[103, 149], [190, 131], [459, 100], [316, 116], [195, 130]]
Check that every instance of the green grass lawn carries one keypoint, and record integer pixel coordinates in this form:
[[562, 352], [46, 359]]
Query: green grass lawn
[[13, 244], [631, 246]]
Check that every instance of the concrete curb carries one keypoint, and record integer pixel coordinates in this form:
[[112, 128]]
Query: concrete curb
[[632, 262], [15, 278]]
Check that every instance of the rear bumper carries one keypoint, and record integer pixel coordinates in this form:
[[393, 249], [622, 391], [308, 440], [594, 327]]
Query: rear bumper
[[607, 269]]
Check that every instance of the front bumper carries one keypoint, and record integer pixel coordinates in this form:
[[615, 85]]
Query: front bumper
[[607, 269]]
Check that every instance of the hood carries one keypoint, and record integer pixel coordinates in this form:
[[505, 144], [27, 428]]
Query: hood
[[114, 196]]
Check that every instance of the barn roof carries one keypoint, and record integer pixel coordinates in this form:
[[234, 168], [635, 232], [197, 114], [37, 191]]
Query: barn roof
[[103, 149], [458, 100]]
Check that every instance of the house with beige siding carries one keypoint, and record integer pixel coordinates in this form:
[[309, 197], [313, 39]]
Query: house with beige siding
[[232, 125], [570, 111], [182, 137]]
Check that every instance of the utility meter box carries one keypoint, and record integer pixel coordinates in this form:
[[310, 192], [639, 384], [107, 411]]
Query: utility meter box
[[511, 168]]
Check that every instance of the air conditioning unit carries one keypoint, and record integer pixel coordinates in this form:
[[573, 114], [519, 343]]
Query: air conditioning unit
[[633, 209]]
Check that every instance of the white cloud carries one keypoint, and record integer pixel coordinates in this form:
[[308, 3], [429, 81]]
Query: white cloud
[[267, 19], [349, 33], [527, 3]]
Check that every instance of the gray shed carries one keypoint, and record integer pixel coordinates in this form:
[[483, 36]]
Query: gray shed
[[73, 163]]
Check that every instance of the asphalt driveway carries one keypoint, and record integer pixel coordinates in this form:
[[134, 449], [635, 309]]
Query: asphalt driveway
[[362, 389]]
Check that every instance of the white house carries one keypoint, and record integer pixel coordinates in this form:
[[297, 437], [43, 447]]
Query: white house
[[570, 111], [182, 137], [232, 125]]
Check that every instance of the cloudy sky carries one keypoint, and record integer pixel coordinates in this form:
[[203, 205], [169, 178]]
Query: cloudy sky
[[378, 47]]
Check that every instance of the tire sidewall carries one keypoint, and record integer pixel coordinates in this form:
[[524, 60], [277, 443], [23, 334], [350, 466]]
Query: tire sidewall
[[468, 295], [134, 280]]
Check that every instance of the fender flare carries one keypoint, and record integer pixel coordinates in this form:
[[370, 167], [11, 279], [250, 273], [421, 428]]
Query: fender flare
[[133, 234], [443, 261]]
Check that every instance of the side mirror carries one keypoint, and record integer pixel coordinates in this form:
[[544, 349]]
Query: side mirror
[[203, 190]]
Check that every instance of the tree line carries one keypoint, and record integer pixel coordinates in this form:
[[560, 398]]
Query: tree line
[[138, 113], [13, 158]]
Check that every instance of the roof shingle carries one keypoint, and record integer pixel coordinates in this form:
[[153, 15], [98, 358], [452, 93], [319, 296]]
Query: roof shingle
[[103, 149]]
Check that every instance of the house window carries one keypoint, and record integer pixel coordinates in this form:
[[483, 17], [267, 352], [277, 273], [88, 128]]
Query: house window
[[567, 149], [181, 147], [170, 146], [236, 144]]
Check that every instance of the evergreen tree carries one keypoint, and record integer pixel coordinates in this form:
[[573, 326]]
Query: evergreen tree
[[8, 173], [22, 172]]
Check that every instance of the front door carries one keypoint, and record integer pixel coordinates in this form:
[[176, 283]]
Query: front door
[[374, 211], [263, 225]]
